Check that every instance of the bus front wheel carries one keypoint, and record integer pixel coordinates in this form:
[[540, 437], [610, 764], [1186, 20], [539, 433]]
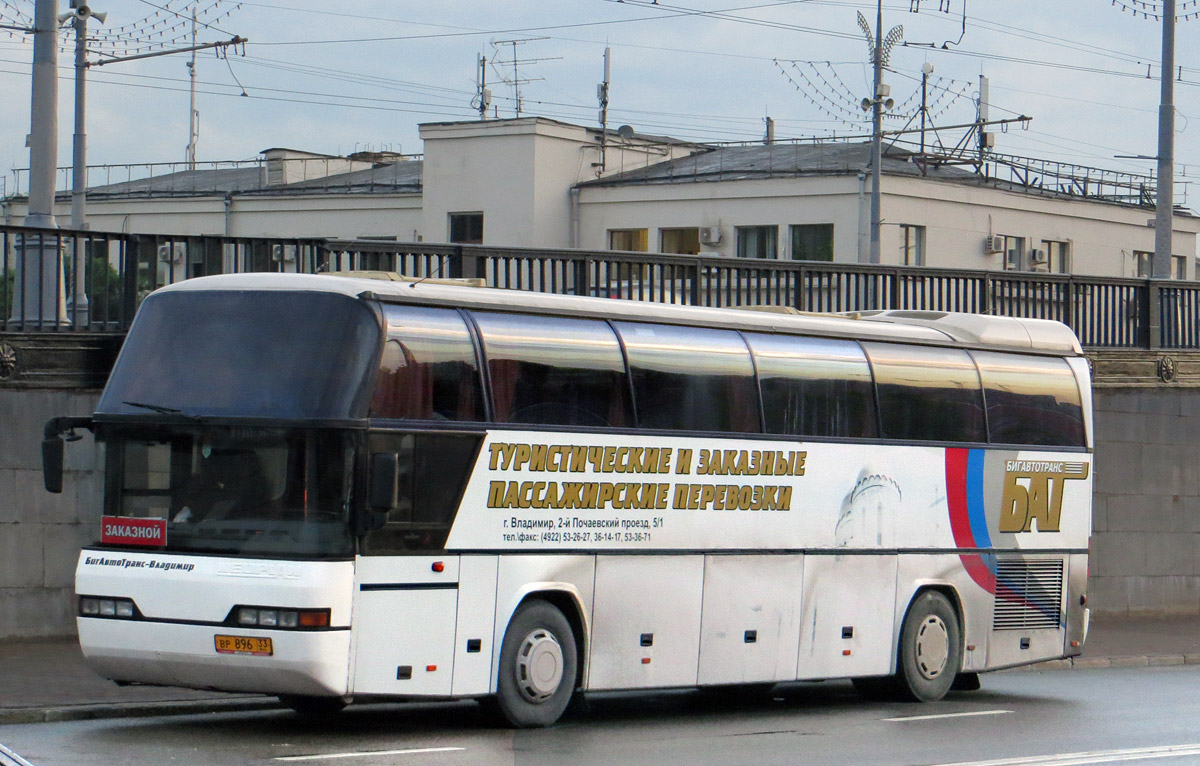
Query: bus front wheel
[[930, 648], [537, 666]]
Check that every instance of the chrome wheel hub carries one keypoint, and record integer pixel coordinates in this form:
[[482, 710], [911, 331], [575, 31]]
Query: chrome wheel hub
[[539, 666]]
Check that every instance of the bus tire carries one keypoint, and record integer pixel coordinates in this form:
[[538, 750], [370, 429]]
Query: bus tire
[[538, 666], [930, 649], [313, 707]]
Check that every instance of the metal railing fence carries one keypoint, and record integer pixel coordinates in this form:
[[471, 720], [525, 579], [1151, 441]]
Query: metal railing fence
[[67, 281]]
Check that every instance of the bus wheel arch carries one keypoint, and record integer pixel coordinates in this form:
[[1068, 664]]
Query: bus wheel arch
[[540, 659], [930, 646]]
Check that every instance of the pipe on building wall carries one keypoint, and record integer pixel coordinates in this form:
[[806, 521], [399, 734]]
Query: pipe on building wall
[[228, 201], [574, 232], [864, 223]]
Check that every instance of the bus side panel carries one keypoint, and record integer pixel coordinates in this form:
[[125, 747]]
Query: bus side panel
[[950, 574], [646, 625], [519, 576], [476, 625], [404, 617], [849, 606], [1078, 615], [751, 618]]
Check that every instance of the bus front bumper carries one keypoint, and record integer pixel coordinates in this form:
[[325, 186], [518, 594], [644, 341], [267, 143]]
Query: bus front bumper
[[173, 654]]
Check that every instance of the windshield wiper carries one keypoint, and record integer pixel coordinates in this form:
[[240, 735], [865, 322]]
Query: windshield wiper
[[161, 410]]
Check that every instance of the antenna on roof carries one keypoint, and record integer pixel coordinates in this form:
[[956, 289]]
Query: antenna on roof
[[602, 96]]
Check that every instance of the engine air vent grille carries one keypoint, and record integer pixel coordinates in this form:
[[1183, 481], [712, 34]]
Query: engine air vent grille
[[1028, 594]]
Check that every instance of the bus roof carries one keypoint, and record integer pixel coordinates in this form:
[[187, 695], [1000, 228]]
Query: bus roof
[[927, 327]]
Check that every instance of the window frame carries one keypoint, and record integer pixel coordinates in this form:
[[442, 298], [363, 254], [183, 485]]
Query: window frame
[[796, 232], [767, 249]]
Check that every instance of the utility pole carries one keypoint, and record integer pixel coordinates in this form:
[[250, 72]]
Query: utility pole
[[880, 51], [193, 115], [876, 137], [80, 12], [38, 290], [1164, 206]]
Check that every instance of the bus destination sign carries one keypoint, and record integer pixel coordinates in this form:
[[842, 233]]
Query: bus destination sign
[[117, 530]]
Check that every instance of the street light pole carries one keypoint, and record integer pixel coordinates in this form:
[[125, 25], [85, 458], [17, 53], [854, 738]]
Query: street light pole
[[1164, 204]]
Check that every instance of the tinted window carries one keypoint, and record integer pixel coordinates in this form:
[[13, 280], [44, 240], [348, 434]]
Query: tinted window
[[432, 474], [927, 394], [691, 378], [249, 353], [428, 368], [1031, 400], [814, 386], [553, 370]]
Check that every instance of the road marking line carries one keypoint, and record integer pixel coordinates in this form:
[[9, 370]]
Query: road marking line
[[368, 753], [948, 715], [8, 757], [1089, 757]]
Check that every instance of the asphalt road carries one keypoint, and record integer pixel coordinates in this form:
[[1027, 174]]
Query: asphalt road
[[1051, 718]]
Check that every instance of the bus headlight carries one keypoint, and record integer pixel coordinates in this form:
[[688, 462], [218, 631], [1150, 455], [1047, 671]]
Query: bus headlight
[[279, 617], [101, 606]]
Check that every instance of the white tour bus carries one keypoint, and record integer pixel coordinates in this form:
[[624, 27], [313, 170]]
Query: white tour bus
[[325, 488]]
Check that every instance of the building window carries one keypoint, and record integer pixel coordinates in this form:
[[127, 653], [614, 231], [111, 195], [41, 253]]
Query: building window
[[912, 245], [1143, 262], [636, 240], [1055, 257], [757, 241], [812, 241], [681, 241], [466, 228], [1014, 252]]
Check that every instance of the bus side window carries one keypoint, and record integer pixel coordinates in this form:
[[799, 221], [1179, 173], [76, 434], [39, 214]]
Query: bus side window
[[1031, 400], [927, 393], [814, 386], [554, 370], [691, 378], [427, 370], [433, 473]]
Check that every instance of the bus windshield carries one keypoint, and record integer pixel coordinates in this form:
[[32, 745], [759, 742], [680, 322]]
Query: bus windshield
[[238, 353], [234, 490]]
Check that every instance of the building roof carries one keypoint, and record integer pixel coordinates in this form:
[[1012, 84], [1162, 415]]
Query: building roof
[[736, 163], [839, 158], [399, 177]]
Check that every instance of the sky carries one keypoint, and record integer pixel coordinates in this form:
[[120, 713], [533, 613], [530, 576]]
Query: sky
[[335, 78]]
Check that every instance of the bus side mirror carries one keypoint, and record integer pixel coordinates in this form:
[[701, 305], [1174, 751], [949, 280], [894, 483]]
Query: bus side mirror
[[383, 489], [52, 464], [56, 432]]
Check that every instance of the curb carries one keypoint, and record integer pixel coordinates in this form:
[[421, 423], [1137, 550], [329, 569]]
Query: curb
[[134, 710], [1132, 661]]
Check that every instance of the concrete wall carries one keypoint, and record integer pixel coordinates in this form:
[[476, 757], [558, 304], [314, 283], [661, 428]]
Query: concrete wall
[[1146, 520], [1145, 544], [41, 533]]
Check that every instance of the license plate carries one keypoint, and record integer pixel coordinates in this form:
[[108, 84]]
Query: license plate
[[259, 647]]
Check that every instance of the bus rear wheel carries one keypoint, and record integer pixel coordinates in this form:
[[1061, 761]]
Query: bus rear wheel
[[930, 649], [538, 666]]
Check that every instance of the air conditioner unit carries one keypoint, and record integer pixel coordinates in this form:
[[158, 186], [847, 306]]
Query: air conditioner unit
[[710, 235], [279, 253], [171, 253], [1038, 256], [993, 244]]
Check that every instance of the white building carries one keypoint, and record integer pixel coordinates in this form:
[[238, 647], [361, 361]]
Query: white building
[[534, 182]]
